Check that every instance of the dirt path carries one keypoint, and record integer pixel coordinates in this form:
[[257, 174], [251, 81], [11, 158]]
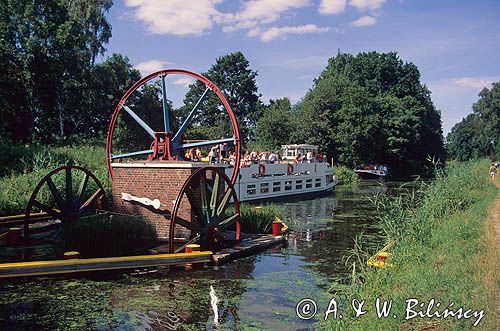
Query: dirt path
[[492, 261]]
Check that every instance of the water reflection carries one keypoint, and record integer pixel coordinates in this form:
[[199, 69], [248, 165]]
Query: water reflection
[[259, 292]]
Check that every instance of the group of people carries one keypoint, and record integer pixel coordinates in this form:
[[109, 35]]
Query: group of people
[[221, 154]]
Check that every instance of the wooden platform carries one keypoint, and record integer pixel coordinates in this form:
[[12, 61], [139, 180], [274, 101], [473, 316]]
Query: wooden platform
[[20, 269], [249, 245]]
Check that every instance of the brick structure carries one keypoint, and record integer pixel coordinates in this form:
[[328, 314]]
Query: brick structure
[[161, 180]]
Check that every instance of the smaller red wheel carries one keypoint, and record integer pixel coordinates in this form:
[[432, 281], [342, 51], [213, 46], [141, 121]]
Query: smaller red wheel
[[213, 210]]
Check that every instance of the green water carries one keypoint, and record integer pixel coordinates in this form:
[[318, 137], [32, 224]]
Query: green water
[[255, 293]]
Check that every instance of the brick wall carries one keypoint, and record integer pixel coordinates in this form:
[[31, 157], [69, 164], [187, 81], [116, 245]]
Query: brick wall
[[153, 183]]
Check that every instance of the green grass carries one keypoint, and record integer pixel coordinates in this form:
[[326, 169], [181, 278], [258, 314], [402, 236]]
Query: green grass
[[26, 166], [345, 175], [438, 230]]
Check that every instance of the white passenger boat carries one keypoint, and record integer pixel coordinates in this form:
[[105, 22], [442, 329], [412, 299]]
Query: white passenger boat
[[263, 180]]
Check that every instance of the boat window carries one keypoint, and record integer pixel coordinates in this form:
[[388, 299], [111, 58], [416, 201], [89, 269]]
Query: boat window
[[264, 188], [288, 185], [298, 185], [276, 186], [251, 189], [317, 182], [309, 183], [329, 178]]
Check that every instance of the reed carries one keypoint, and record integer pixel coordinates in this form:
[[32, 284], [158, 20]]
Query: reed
[[258, 219]]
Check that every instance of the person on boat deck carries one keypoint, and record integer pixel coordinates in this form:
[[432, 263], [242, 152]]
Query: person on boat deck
[[272, 157], [198, 154], [212, 155], [223, 150], [263, 157], [320, 157], [299, 158], [232, 158], [309, 157], [192, 155], [254, 156], [247, 160]]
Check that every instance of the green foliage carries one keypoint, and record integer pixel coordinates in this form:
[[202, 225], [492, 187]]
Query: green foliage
[[258, 219], [275, 127], [371, 108], [47, 52], [478, 134], [110, 235], [345, 175], [31, 164], [232, 74], [437, 229]]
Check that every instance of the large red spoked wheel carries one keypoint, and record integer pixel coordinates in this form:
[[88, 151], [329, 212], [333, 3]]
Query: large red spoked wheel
[[213, 210], [65, 193], [168, 144]]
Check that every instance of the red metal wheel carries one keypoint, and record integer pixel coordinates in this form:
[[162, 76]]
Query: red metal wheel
[[65, 193], [209, 206], [168, 145]]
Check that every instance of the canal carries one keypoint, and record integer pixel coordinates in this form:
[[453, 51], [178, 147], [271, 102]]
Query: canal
[[255, 293]]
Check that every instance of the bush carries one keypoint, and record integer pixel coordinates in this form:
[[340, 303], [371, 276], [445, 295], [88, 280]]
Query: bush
[[345, 175]]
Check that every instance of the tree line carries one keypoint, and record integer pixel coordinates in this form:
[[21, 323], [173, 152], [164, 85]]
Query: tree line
[[478, 134], [364, 108]]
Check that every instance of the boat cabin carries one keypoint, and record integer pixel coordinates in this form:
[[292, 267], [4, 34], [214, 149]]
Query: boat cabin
[[289, 152]]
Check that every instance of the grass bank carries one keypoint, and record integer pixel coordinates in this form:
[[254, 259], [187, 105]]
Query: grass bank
[[441, 254]]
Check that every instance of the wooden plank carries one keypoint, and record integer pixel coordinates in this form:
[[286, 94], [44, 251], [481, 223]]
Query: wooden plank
[[246, 247], [19, 269]]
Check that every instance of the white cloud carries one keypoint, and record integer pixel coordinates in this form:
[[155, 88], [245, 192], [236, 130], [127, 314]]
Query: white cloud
[[258, 12], [177, 17], [364, 21], [476, 83], [281, 32], [185, 81], [150, 66], [367, 4], [332, 6]]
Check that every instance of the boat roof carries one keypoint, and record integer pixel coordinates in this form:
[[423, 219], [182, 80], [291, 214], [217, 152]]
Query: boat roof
[[293, 146]]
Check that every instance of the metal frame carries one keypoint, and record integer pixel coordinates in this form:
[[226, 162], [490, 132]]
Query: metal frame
[[211, 211], [172, 144]]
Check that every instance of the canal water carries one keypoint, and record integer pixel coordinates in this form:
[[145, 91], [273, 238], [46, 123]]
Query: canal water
[[256, 293]]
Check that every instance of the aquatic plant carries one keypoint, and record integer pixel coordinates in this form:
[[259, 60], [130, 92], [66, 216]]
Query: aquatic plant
[[258, 219]]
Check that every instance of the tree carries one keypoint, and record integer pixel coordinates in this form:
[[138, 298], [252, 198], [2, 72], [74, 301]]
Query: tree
[[49, 48], [478, 134], [232, 74], [275, 126], [371, 108]]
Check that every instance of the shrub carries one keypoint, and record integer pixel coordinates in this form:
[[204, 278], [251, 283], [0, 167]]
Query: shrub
[[345, 175]]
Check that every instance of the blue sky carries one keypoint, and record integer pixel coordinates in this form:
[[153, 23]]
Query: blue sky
[[455, 44]]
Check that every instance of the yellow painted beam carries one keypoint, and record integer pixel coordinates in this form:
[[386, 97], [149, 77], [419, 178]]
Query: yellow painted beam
[[19, 269]]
